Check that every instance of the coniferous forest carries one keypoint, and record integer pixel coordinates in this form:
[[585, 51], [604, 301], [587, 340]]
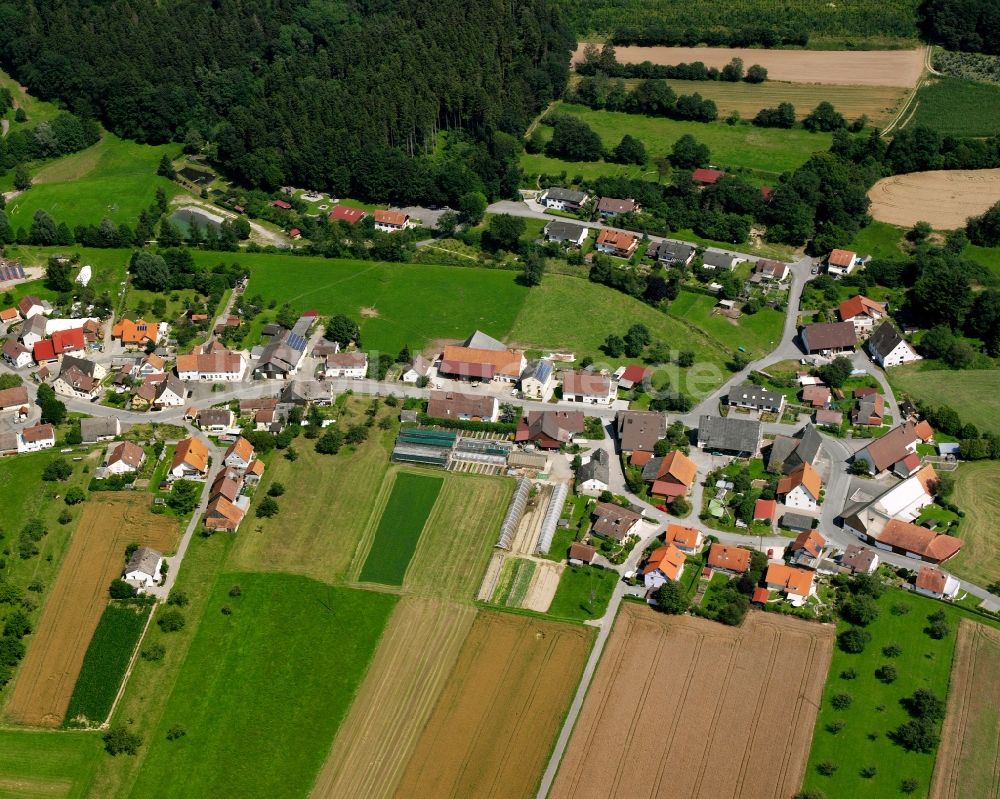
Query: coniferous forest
[[351, 97]]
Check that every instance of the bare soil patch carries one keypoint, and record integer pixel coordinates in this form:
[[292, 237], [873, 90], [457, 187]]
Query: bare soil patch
[[968, 760], [544, 583], [695, 708], [944, 198], [414, 658], [853, 68], [369, 313], [79, 595], [491, 730]]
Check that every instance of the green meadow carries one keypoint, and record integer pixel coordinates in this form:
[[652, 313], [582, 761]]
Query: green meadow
[[583, 592], [43, 763], [265, 685], [973, 393]]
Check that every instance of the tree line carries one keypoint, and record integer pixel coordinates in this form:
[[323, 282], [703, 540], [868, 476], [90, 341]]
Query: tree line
[[605, 60], [64, 134], [969, 25], [347, 98]]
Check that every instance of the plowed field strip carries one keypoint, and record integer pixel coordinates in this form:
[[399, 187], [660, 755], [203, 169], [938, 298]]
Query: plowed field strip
[[412, 662]]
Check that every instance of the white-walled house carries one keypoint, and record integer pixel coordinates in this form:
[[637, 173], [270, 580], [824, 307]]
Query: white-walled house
[[36, 438], [801, 489], [665, 563], [144, 568], [589, 388], [888, 348], [353, 365], [560, 199], [125, 458], [933, 582], [239, 455]]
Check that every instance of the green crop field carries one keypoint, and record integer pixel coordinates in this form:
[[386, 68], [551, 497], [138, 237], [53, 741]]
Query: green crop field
[[513, 582], [875, 711], [114, 178], [766, 152], [583, 592], [42, 763], [399, 528], [958, 107], [263, 689], [977, 492], [106, 660], [974, 394], [414, 303]]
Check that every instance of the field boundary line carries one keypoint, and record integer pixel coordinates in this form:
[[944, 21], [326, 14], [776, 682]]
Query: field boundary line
[[128, 671]]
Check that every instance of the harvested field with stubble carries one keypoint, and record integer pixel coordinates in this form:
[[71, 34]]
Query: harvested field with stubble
[[968, 760], [944, 198], [721, 701], [416, 654], [840, 67], [492, 729], [79, 595]]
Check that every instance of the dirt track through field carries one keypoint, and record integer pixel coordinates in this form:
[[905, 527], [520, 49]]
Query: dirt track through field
[[79, 595], [943, 198], [492, 728], [414, 658], [682, 707], [843, 67], [968, 760]]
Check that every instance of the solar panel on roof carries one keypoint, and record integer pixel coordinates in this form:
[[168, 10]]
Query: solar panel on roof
[[296, 342]]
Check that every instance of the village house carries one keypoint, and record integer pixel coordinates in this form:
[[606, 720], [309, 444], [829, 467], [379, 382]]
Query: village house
[[344, 213], [144, 568], [135, 334], [36, 438], [729, 435], [566, 233], [720, 259], [222, 514], [638, 432], [888, 348], [841, 262], [665, 563], [594, 475], [391, 221], [704, 176], [859, 560], [675, 253], [13, 399], [884, 453], [254, 472], [100, 428], [613, 521], [914, 541], [671, 476], [419, 367], [828, 417], [72, 382], [796, 584], [687, 539], [239, 454], [818, 397], [590, 388], [170, 393], [125, 458], [807, 546], [63, 342], [731, 559], [9, 315], [16, 354], [476, 363], [215, 420], [549, 429], [770, 270], [870, 410], [29, 305], [935, 583], [352, 365], [215, 364], [829, 338], [462, 407], [560, 199], [616, 242], [538, 380], [801, 489], [862, 312], [581, 554], [764, 510], [190, 459], [32, 331], [282, 357], [608, 207], [756, 398], [787, 453]]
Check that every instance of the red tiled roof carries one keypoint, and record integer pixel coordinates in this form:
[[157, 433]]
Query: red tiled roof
[[390, 218], [44, 351], [68, 340], [841, 258], [735, 559], [345, 213], [707, 176], [764, 509], [281, 204]]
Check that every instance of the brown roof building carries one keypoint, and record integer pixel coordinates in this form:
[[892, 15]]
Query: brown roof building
[[638, 431], [727, 558], [613, 521], [905, 537], [452, 405], [550, 429], [829, 337]]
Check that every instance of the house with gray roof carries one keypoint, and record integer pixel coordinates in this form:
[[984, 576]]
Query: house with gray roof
[[566, 233], [756, 398], [562, 199], [594, 476], [675, 253], [888, 347], [829, 338], [538, 380], [481, 341], [101, 428], [729, 435], [720, 259], [143, 569], [787, 453]]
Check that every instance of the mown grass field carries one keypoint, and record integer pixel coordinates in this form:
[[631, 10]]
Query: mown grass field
[[114, 178], [36, 763], [400, 526], [583, 593], [766, 152], [958, 107], [977, 492], [756, 332], [415, 303], [880, 240], [262, 691], [876, 711], [974, 394], [104, 665]]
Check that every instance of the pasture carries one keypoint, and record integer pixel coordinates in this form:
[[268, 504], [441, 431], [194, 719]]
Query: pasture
[[96, 555], [416, 304], [50, 765], [897, 68], [943, 198], [875, 711], [968, 760], [263, 689], [958, 107], [113, 179], [757, 333], [108, 267], [106, 661], [766, 152], [974, 394], [583, 593], [36, 110], [458, 537], [399, 527], [414, 659], [493, 726], [977, 492], [721, 700]]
